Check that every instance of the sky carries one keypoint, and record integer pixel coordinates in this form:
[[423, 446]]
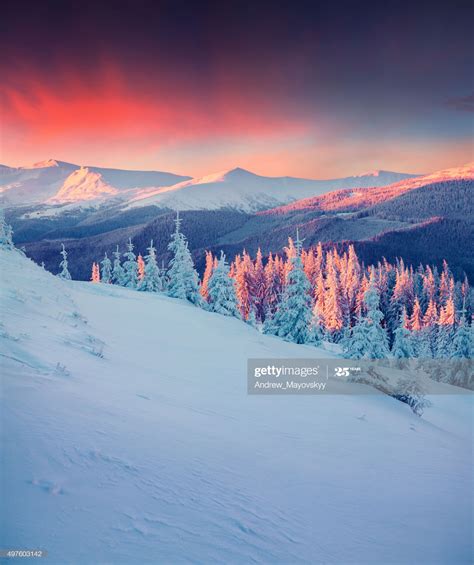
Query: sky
[[310, 89]]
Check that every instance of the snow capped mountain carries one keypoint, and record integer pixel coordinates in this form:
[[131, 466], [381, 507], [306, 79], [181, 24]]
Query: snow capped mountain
[[248, 192], [50, 182], [82, 185], [54, 183]]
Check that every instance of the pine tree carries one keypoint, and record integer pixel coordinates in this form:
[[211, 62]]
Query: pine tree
[[462, 346], [416, 319], [316, 330], [460, 371], [273, 286], [183, 278], [377, 343], [243, 283], [333, 316], [293, 318], [152, 280], [106, 270], [430, 329], [207, 276], [368, 339], [6, 233], [118, 274], [221, 291], [64, 274], [354, 342], [141, 268], [95, 277], [445, 334], [130, 267], [259, 288], [402, 348], [319, 294]]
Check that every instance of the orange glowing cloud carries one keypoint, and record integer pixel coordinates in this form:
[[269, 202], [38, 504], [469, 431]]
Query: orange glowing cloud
[[71, 108]]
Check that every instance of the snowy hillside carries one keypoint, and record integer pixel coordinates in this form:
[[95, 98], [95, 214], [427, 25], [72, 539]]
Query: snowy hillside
[[245, 191], [128, 437], [358, 199]]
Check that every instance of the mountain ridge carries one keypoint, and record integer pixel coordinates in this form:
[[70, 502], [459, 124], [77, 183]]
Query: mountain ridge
[[46, 182]]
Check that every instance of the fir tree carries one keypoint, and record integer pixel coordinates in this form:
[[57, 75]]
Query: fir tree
[[203, 289], [64, 273], [243, 283], [152, 281], [118, 274], [377, 343], [445, 335], [273, 286], [221, 291], [141, 268], [415, 322], [183, 278], [6, 233], [354, 343], [130, 267], [367, 339], [293, 318], [462, 346], [106, 269], [95, 277], [430, 329], [259, 288], [333, 316], [402, 348]]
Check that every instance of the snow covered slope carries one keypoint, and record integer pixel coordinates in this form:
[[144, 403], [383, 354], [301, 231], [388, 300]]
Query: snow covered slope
[[245, 191], [128, 436], [358, 199]]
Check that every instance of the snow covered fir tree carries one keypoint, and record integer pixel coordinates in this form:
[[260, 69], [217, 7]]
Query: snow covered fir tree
[[292, 320], [221, 296], [64, 273], [183, 277], [6, 232], [152, 280]]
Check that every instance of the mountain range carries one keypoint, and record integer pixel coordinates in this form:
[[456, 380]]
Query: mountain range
[[424, 219], [60, 187]]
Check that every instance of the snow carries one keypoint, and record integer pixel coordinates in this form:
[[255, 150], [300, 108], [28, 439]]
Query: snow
[[128, 437], [245, 191], [52, 182], [81, 185], [44, 164]]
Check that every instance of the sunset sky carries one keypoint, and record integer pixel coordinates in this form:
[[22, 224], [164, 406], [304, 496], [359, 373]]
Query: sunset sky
[[299, 88]]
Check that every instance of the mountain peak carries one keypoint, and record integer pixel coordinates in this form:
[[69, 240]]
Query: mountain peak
[[48, 163], [82, 184]]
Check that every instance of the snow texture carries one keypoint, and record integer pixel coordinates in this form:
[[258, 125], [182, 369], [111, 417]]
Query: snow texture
[[128, 436]]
